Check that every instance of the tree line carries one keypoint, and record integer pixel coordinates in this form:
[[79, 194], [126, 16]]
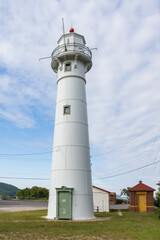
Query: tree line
[[33, 193]]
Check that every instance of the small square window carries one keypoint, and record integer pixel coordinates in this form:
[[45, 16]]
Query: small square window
[[68, 67], [67, 110]]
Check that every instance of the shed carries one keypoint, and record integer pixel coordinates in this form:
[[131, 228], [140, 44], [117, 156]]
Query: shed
[[101, 198], [141, 198]]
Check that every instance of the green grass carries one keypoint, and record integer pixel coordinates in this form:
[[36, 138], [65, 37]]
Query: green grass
[[30, 225]]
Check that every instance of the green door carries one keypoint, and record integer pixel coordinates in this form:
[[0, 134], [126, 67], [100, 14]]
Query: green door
[[64, 203]]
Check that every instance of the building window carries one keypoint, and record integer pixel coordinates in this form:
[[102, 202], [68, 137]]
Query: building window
[[67, 110], [68, 67]]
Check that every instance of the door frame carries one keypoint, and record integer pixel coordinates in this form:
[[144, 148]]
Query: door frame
[[58, 191]]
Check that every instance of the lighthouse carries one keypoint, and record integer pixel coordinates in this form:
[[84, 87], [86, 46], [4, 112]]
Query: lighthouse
[[70, 195]]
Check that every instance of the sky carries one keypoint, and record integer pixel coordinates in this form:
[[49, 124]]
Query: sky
[[123, 89]]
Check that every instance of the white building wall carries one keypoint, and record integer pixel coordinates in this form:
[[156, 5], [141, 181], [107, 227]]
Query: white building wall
[[100, 200]]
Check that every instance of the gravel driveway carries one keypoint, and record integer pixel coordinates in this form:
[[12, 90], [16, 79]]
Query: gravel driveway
[[119, 206]]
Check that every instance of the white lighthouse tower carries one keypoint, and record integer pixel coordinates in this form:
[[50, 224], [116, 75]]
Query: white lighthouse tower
[[70, 194]]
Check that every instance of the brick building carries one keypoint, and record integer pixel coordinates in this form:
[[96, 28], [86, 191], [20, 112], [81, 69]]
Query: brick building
[[141, 198], [112, 198]]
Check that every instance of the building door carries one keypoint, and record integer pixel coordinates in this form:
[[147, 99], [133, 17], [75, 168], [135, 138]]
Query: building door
[[64, 203], [142, 202]]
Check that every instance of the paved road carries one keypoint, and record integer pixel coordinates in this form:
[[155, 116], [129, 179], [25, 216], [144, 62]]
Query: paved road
[[14, 206]]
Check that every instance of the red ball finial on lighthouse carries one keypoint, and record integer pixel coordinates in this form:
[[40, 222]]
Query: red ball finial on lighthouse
[[71, 30]]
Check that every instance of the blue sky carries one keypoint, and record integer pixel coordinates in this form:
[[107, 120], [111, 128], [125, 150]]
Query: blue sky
[[122, 88]]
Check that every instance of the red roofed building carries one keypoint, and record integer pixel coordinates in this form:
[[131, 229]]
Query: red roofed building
[[141, 198], [100, 199]]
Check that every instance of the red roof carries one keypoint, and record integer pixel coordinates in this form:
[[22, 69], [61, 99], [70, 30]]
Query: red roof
[[101, 189], [141, 187]]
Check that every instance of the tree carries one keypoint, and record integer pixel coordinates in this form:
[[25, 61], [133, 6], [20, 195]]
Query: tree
[[43, 193], [34, 192], [157, 199], [125, 191], [4, 196]]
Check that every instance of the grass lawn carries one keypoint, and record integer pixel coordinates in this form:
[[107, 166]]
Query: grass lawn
[[30, 225]]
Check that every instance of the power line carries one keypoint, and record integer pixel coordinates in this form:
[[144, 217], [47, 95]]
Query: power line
[[39, 153], [16, 158], [133, 170], [26, 178], [116, 175], [23, 154], [119, 147], [133, 161], [156, 159]]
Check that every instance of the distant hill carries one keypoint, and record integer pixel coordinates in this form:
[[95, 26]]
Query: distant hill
[[8, 189]]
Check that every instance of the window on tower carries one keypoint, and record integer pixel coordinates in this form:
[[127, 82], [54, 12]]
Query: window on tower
[[68, 67], [66, 109]]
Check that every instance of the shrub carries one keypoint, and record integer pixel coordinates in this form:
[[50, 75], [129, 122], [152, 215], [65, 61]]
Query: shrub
[[4, 197], [119, 201], [156, 202], [158, 212]]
